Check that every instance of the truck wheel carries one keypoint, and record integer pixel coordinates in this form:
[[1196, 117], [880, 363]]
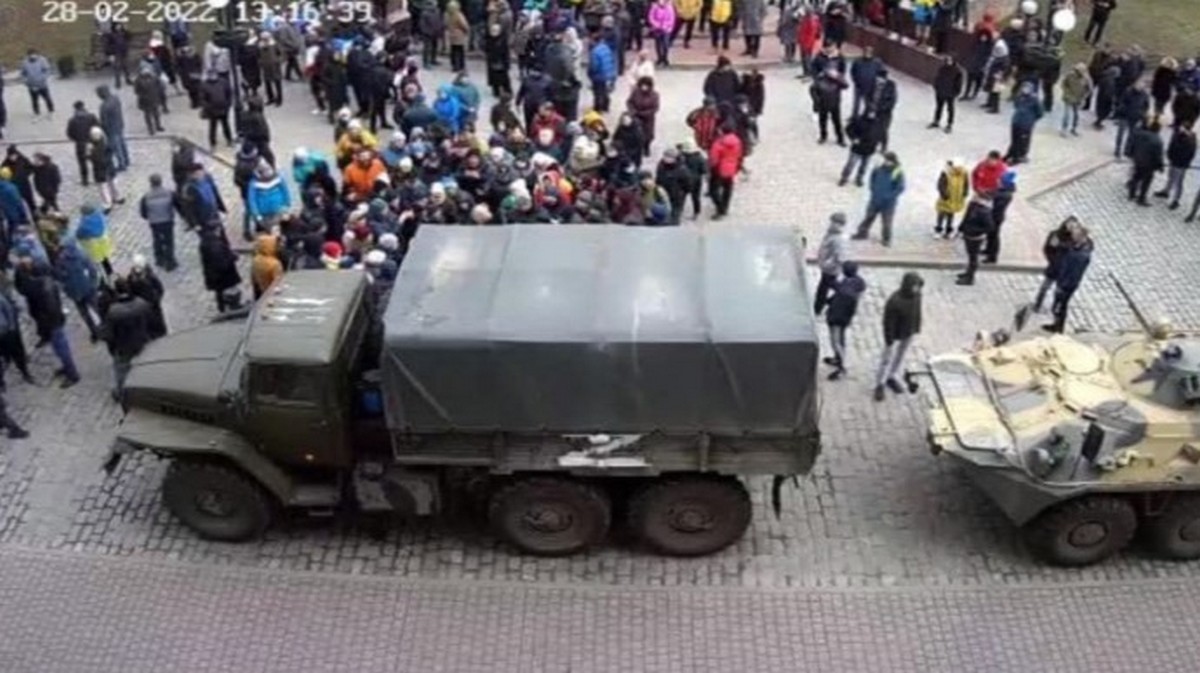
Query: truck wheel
[[550, 517], [691, 516], [217, 502], [1175, 534], [1082, 531]]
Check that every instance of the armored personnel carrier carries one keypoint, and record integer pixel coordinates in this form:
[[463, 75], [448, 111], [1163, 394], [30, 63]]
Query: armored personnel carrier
[[1081, 440]]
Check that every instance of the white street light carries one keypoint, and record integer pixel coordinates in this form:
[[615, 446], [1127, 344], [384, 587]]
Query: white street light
[[1029, 7], [1064, 20]]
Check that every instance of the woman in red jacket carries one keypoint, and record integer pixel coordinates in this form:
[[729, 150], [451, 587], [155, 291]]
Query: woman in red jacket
[[724, 161], [808, 35]]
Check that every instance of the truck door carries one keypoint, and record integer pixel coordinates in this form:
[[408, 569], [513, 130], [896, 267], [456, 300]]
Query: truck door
[[293, 415]]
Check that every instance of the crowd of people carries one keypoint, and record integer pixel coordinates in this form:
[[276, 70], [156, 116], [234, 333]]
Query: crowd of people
[[403, 154]]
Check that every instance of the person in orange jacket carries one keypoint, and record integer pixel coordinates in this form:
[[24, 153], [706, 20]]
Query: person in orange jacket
[[361, 176], [266, 267], [724, 161]]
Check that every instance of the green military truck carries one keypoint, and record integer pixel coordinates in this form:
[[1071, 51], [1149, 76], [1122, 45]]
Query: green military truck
[[568, 375]]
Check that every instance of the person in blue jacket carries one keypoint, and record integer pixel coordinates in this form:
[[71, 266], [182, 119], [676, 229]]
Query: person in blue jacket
[[449, 109], [12, 207], [1072, 265], [1027, 110], [887, 184], [304, 164], [602, 73], [268, 197], [80, 281], [466, 92]]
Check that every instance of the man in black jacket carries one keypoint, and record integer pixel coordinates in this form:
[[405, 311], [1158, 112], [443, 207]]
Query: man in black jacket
[[947, 85], [883, 104], [864, 135], [722, 83], [901, 322], [116, 49], [1146, 150], [126, 330], [216, 99], [1180, 152], [79, 128], [44, 300], [1101, 9], [826, 95], [975, 227], [47, 180], [675, 179]]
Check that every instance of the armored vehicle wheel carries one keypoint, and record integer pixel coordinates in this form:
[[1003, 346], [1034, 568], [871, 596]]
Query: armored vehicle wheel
[[1175, 533], [217, 502], [550, 517], [1082, 531], [691, 516]]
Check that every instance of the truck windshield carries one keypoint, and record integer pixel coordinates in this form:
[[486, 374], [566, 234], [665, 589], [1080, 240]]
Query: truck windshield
[[284, 385]]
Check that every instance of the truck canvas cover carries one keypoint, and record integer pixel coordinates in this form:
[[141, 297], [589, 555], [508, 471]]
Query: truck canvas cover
[[602, 328]]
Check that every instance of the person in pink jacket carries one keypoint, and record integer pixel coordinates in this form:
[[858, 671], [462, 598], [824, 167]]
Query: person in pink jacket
[[661, 18]]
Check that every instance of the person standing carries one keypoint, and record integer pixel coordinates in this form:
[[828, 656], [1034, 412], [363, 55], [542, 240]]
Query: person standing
[[662, 20], [93, 237], [200, 200], [831, 254], [788, 28], [750, 14], [693, 158], [1162, 84], [47, 180], [947, 85], [79, 128], [291, 42], [256, 130], [643, 103], [35, 73], [158, 207], [12, 345], [42, 296], [724, 161], [1076, 89], [112, 120], [1001, 200], [266, 268], [1132, 108], [901, 322], [267, 198], [144, 283], [826, 94], [498, 55], [864, 140], [1076, 256], [809, 38], [686, 13], [1180, 153], [100, 154], [20, 169], [721, 84], [219, 264], [1027, 110], [80, 281], [148, 90], [13, 210], [883, 103], [1145, 148], [1052, 249], [720, 23], [458, 35], [126, 331], [270, 65], [976, 226], [1101, 10], [887, 184], [602, 73], [116, 50], [864, 73], [216, 99], [842, 308], [953, 185]]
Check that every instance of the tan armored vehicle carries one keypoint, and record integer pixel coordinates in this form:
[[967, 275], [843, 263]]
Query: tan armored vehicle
[[1081, 440]]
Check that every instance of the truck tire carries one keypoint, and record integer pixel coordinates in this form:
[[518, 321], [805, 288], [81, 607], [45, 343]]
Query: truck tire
[[1175, 534], [217, 502], [550, 517], [1082, 531], [690, 516]]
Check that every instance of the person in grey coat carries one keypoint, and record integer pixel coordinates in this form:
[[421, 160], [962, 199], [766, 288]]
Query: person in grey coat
[[112, 120], [35, 73], [751, 13], [831, 254]]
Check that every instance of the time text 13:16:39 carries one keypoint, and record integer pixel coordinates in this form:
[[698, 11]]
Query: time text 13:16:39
[[197, 11]]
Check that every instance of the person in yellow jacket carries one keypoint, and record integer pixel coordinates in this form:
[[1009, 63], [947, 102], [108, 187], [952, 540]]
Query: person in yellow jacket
[[720, 19], [686, 13], [266, 268], [354, 139], [953, 184]]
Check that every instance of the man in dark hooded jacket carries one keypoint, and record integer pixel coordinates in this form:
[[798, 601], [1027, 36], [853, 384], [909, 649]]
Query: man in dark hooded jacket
[[78, 129], [975, 228], [1074, 262], [126, 331], [1145, 149], [842, 308], [901, 322], [722, 83]]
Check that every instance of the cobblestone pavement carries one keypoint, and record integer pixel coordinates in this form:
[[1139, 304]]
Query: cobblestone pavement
[[70, 613], [878, 513]]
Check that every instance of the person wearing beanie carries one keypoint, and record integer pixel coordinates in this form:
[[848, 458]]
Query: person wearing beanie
[[331, 255], [831, 254], [1001, 199], [79, 278], [842, 308], [267, 198], [92, 234], [675, 179], [266, 268], [34, 282]]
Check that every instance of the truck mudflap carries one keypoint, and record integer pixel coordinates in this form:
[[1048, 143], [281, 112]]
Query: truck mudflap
[[173, 437]]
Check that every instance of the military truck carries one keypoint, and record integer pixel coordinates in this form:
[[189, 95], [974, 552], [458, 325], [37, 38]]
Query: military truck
[[1081, 440], [563, 375]]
